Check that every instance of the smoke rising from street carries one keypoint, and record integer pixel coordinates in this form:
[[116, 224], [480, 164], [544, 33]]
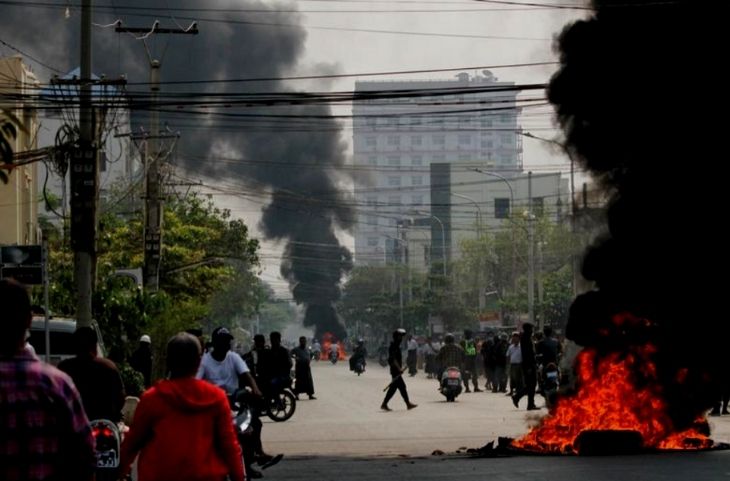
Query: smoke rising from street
[[630, 98], [295, 163]]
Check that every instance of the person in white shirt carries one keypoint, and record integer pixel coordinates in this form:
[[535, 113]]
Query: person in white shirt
[[514, 360], [229, 371]]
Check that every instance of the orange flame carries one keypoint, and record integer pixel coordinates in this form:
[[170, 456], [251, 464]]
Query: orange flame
[[327, 340], [608, 398]]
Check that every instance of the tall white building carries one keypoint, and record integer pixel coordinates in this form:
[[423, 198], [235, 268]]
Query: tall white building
[[405, 126]]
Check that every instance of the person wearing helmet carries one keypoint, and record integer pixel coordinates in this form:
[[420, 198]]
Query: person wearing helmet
[[395, 361], [359, 355], [141, 360]]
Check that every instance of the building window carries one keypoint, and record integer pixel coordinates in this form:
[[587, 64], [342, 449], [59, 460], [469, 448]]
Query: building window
[[416, 140], [464, 139], [415, 121], [371, 122], [372, 241], [538, 206], [438, 158], [371, 141], [504, 118], [464, 157], [371, 200], [372, 221], [505, 138], [501, 208], [394, 160], [393, 200], [487, 144], [505, 159], [394, 181], [417, 200], [486, 122], [439, 140], [372, 160], [417, 180], [416, 160], [393, 140]]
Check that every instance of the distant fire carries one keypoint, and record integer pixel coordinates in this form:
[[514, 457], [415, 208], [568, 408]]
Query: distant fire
[[618, 391], [327, 340]]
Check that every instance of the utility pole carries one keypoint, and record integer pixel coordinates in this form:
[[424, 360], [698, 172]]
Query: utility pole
[[84, 182], [153, 192], [530, 253]]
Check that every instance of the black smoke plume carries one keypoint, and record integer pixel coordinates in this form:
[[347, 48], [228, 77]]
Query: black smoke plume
[[636, 100], [295, 162]]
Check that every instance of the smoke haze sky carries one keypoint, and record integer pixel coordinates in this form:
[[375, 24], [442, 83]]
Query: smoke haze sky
[[310, 49]]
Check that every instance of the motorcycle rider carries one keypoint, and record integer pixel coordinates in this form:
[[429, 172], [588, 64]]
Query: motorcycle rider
[[280, 363], [334, 350], [450, 355], [359, 355], [227, 370], [97, 379], [316, 350]]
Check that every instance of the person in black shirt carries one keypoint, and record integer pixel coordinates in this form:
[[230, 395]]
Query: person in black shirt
[[395, 361], [97, 379]]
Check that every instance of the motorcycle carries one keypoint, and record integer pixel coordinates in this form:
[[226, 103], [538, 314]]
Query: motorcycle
[[282, 402], [242, 406], [357, 364], [108, 440], [451, 383], [334, 357]]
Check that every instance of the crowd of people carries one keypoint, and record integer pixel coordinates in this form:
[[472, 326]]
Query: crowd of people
[[45, 411], [518, 365]]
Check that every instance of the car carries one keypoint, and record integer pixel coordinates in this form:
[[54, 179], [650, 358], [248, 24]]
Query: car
[[61, 336]]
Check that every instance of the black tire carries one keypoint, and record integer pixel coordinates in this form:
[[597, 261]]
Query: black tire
[[282, 408]]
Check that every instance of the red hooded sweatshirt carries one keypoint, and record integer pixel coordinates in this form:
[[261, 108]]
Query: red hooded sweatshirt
[[183, 431]]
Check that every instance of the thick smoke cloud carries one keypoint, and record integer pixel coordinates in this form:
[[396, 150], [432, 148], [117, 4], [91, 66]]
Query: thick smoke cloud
[[299, 170], [635, 99]]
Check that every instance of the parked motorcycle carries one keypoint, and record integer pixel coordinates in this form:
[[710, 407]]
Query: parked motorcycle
[[451, 383], [108, 440]]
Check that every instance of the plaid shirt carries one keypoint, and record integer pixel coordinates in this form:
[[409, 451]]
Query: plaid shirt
[[451, 355], [45, 432]]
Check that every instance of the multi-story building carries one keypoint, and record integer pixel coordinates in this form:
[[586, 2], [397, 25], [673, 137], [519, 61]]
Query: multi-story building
[[18, 197], [402, 127]]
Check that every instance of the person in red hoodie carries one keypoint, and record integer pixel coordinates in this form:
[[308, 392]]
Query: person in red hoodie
[[183, 428]]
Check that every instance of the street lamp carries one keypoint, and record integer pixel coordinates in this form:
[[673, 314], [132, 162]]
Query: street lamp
[[443, 236], [479, 211], [511, 207]]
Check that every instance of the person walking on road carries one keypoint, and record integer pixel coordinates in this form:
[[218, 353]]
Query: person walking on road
[[412, 356], [302, 370], [529, 369], [471, 369], [395, 361]]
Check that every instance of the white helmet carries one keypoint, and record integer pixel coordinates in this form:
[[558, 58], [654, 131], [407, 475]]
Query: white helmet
[[145, 338]]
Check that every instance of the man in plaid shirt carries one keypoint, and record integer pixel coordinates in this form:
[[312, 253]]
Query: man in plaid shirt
[[44, 432]]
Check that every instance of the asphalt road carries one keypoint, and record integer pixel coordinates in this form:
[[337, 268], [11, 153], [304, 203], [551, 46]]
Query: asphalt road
[[343, 435]]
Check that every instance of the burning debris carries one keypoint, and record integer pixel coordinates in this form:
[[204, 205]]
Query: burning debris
[[619, 401], [327, 339]]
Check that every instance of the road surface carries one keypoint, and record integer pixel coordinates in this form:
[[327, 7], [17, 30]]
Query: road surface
[[346, 419]]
